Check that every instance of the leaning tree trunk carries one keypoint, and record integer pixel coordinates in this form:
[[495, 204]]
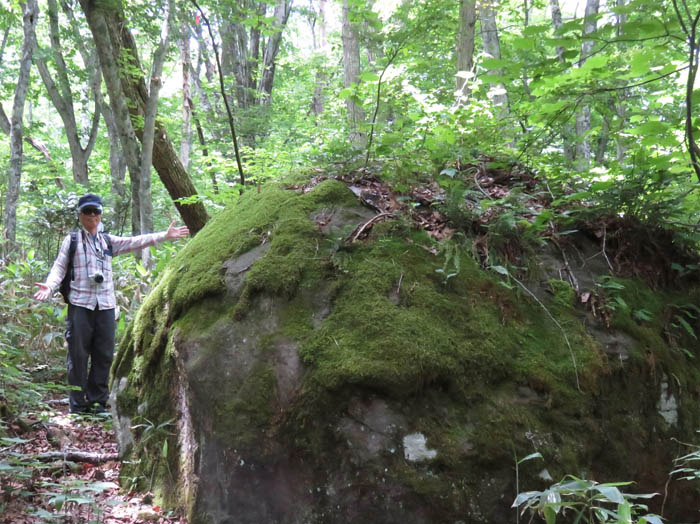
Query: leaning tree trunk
[[30, 13], [492, 47], [133, 88], [583, 119], [351, 70], [465, 45]]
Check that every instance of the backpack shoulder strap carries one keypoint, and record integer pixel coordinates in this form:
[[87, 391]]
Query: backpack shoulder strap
[[73, 244], [71, 252], [109, 244]]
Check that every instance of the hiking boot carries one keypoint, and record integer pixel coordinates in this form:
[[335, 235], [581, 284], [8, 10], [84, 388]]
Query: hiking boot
[[98, 408]]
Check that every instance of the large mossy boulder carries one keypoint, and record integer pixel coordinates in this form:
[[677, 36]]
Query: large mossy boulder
[[279, 373]]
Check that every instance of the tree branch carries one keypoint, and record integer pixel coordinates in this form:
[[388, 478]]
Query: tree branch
[[376, 106], [223, 93]]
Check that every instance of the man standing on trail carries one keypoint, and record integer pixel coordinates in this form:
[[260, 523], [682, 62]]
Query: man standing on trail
[[91, 302]]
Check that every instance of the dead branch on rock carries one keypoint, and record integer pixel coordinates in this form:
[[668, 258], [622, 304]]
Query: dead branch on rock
[[367, 225]]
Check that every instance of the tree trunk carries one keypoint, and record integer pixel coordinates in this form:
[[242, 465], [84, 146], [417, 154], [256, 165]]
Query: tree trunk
[[121, 43], [603, 139], [117, 162], [36, 144], [186, 143], [567, 133], [583, 119], [30, 13], [108, 53], [234, 55], [619, 104], [282, 10], [117, 171], [557, 23], [254, 44], [492, 47], [149, 125], [209, 72], [5, 34], [465, 45], [205, 152], [321, 47], [61, 96], [351, 70]]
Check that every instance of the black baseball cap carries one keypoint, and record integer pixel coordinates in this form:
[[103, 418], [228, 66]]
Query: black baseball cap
[[90, 200]]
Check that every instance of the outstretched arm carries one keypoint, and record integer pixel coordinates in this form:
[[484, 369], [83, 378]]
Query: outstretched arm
[[58, 269], [175, 232], [43, 293], [126, 244]]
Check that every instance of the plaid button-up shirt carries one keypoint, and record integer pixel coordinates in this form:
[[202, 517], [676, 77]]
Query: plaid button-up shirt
[[91, 256]]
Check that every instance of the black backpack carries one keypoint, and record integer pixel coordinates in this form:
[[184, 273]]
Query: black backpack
[[64, 288]]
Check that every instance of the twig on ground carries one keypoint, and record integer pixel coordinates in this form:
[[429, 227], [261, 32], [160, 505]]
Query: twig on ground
[[367, 225]]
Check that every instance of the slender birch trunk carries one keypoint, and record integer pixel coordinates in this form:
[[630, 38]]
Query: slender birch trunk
[[30, 12], [321, 48], [583, 119], [186, 61]]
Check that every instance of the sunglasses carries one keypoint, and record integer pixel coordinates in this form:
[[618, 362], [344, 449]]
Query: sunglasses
[[91, 211]]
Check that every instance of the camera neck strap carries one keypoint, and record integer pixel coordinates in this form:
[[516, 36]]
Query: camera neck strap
[[98, 251]]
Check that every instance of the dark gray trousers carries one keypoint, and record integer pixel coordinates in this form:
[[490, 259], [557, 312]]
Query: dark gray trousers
[[90, 336]]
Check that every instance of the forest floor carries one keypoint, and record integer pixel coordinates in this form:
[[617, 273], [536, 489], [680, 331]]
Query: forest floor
[[42, 481]]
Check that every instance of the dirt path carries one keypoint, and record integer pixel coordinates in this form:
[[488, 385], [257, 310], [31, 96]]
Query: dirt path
[[34, 491]]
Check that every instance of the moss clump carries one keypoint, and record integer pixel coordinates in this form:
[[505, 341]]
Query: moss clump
[[564, 294]]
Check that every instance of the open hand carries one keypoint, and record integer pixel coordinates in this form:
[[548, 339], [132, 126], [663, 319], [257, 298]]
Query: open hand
[[174, 231], [43, 293]]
